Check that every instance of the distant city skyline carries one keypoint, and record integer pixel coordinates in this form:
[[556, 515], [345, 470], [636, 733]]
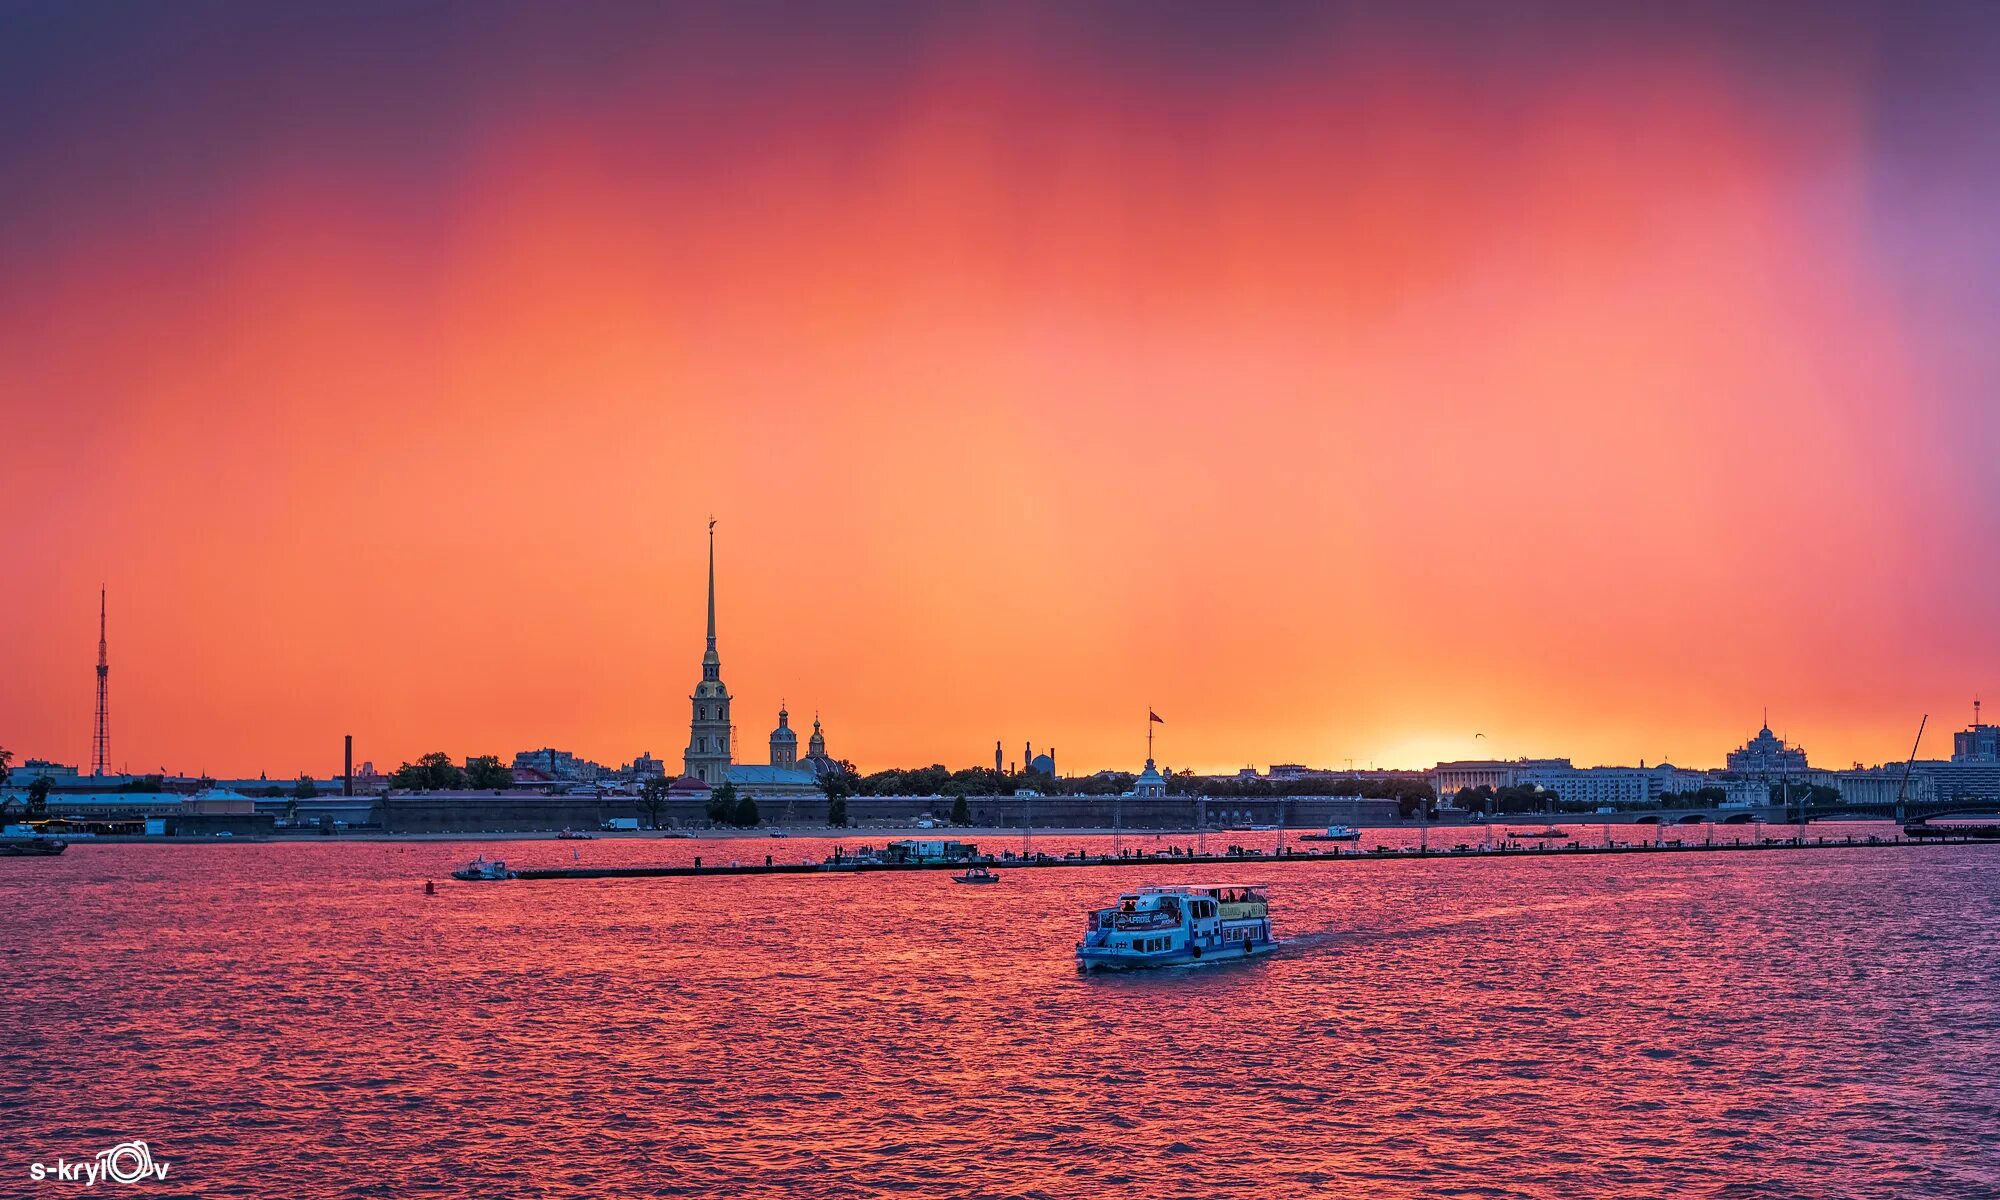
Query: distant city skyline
[[1759, 751], [1344, 380], [1944, 740]]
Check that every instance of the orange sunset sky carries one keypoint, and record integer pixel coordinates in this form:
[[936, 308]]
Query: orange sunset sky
[[1339, 382]]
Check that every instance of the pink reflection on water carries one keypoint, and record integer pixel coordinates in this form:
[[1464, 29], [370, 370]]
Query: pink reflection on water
[[301, 1019]]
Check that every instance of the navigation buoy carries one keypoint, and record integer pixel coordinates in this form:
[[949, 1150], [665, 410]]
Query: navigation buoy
[[430, 888]]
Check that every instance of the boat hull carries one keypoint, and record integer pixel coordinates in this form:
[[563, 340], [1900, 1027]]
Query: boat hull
[[36, 847], [1094, 959]]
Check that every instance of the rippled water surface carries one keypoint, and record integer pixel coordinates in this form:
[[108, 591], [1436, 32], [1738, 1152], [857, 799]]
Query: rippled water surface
[[300, 1019]]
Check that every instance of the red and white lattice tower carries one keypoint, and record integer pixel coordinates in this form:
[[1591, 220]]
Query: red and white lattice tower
[[100, 739]]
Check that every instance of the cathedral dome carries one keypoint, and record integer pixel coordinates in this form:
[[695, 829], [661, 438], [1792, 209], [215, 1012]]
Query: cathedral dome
[[784, 743], [816, 760]]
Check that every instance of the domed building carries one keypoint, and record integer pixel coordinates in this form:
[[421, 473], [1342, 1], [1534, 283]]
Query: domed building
[[787, 775], [1767, 756]]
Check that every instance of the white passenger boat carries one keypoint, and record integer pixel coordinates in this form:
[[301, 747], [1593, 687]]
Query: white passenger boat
[[483, 868], [1173, 926], [1334, 833]]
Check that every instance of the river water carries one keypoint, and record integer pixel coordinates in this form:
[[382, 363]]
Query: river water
[[301, 1020]]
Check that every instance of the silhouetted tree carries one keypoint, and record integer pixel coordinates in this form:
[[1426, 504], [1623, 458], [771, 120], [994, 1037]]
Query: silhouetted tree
[[746, 811], [432, 773], [38, 798], [838, 784], [305, 789], [653, 799], [6, 765], [961, 813], [485, 772], [722, 804]]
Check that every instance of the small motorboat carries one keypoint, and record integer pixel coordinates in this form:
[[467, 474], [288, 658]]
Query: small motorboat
[[976, 875], [1549, 834], [1334, 833], [37, 845], [573, 835], [779, 833], [483, 868]]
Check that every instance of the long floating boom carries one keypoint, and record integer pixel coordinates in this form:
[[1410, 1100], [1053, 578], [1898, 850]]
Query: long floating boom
[[1050, 862]]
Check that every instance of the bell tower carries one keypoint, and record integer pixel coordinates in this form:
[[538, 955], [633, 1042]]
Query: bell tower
[[707, 755], [784, 743]]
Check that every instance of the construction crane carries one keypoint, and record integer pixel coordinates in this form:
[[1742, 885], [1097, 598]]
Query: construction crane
[[1903, 786]]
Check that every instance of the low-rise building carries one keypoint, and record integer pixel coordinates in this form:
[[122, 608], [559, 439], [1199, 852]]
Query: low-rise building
[[56, 773], [1452, 777], [559, 765], [645, 767], [1886, 785]]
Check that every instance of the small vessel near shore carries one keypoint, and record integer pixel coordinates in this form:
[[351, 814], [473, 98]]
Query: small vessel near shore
[[483, 868], [1334, 833], [1177, 925], [574, 835], [34, 845], [976, 875], [1551, 834]]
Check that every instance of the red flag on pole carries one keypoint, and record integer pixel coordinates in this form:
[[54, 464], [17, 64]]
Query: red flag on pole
[[1153, 716]]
